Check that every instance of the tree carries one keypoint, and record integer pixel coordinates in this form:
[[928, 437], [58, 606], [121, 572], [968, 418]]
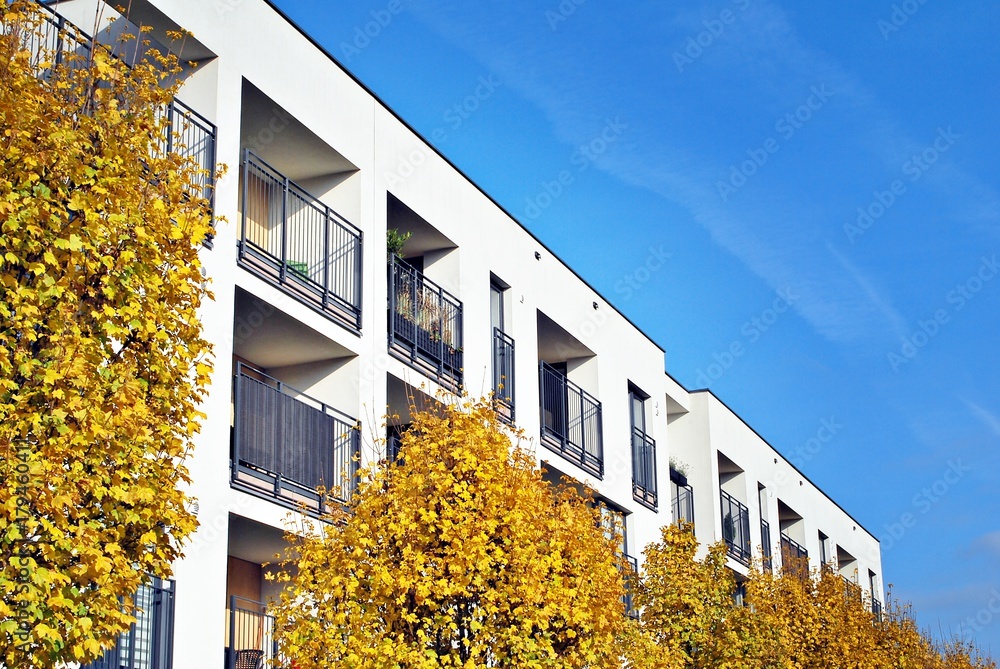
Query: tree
[[102, 360], [459, 554], [689, 617]]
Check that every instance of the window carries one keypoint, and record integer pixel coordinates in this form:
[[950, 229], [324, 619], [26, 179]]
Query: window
[[643, 451], [503, 353]]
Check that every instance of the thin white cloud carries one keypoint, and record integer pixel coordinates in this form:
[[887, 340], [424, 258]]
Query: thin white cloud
[[763, 50], [988, 418]]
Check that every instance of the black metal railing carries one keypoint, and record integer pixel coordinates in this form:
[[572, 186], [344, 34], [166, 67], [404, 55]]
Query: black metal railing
[[59, 42], [630, 579], [425, 324], [571, 421], [794, 556], [644, 469], [294, 241], [876, 608], [149, 642], [503, 374], [736, 528], [250, 642], [765, 545], [287, 444], [851, 589], [682, 504], [192, 136]]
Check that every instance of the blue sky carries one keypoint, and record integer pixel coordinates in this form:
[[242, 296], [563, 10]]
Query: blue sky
[[840, 156]]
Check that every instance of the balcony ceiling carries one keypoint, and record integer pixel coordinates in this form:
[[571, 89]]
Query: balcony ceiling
[[556, 344], [282, 141], [269, 337], [424, 237], [253, 541]]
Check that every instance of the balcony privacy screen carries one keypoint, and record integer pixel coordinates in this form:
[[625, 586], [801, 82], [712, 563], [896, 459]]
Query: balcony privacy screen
[[291, 441], [571, 421]]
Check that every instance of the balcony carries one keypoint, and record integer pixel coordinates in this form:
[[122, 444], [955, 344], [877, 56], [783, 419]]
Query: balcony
[[250, 641], [736, 528], [571, 421], [149, 642], [876, 609], [681, 500], [794, 556], [192, 136], [503, 375], [286, 444], [643, 469], [765, 543], [298, 244], [630, 579], [425, 324]]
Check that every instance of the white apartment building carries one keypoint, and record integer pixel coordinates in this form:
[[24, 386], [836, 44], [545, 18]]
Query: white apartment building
[[318, 329]]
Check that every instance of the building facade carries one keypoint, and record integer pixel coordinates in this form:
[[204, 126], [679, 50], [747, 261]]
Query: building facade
[[320, 332]]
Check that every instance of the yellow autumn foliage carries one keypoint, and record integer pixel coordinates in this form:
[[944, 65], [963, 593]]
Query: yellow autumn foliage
[[102, 360], [791, 619], [459, 554]]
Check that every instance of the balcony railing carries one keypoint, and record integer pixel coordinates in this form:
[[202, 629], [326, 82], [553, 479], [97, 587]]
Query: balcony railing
[[295, 242], [765, 545], [851, 589], [644, 469], [682, 503], [503, 374], [630, 580], [876, 608], [250, 641], [794, 556], [149, 642], [287, 444], [191, 135], [425, 324], [571, 421], [736, 528]]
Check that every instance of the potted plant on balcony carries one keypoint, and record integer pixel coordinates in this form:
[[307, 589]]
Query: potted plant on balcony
[[678, 471], [394, 241]]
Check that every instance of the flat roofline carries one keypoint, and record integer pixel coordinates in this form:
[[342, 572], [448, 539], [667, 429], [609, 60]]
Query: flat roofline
[[513, 218], [465, 176], [778, 453]]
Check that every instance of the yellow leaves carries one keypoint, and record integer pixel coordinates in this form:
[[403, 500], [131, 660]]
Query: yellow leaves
[[445, 563], [103, 377]]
